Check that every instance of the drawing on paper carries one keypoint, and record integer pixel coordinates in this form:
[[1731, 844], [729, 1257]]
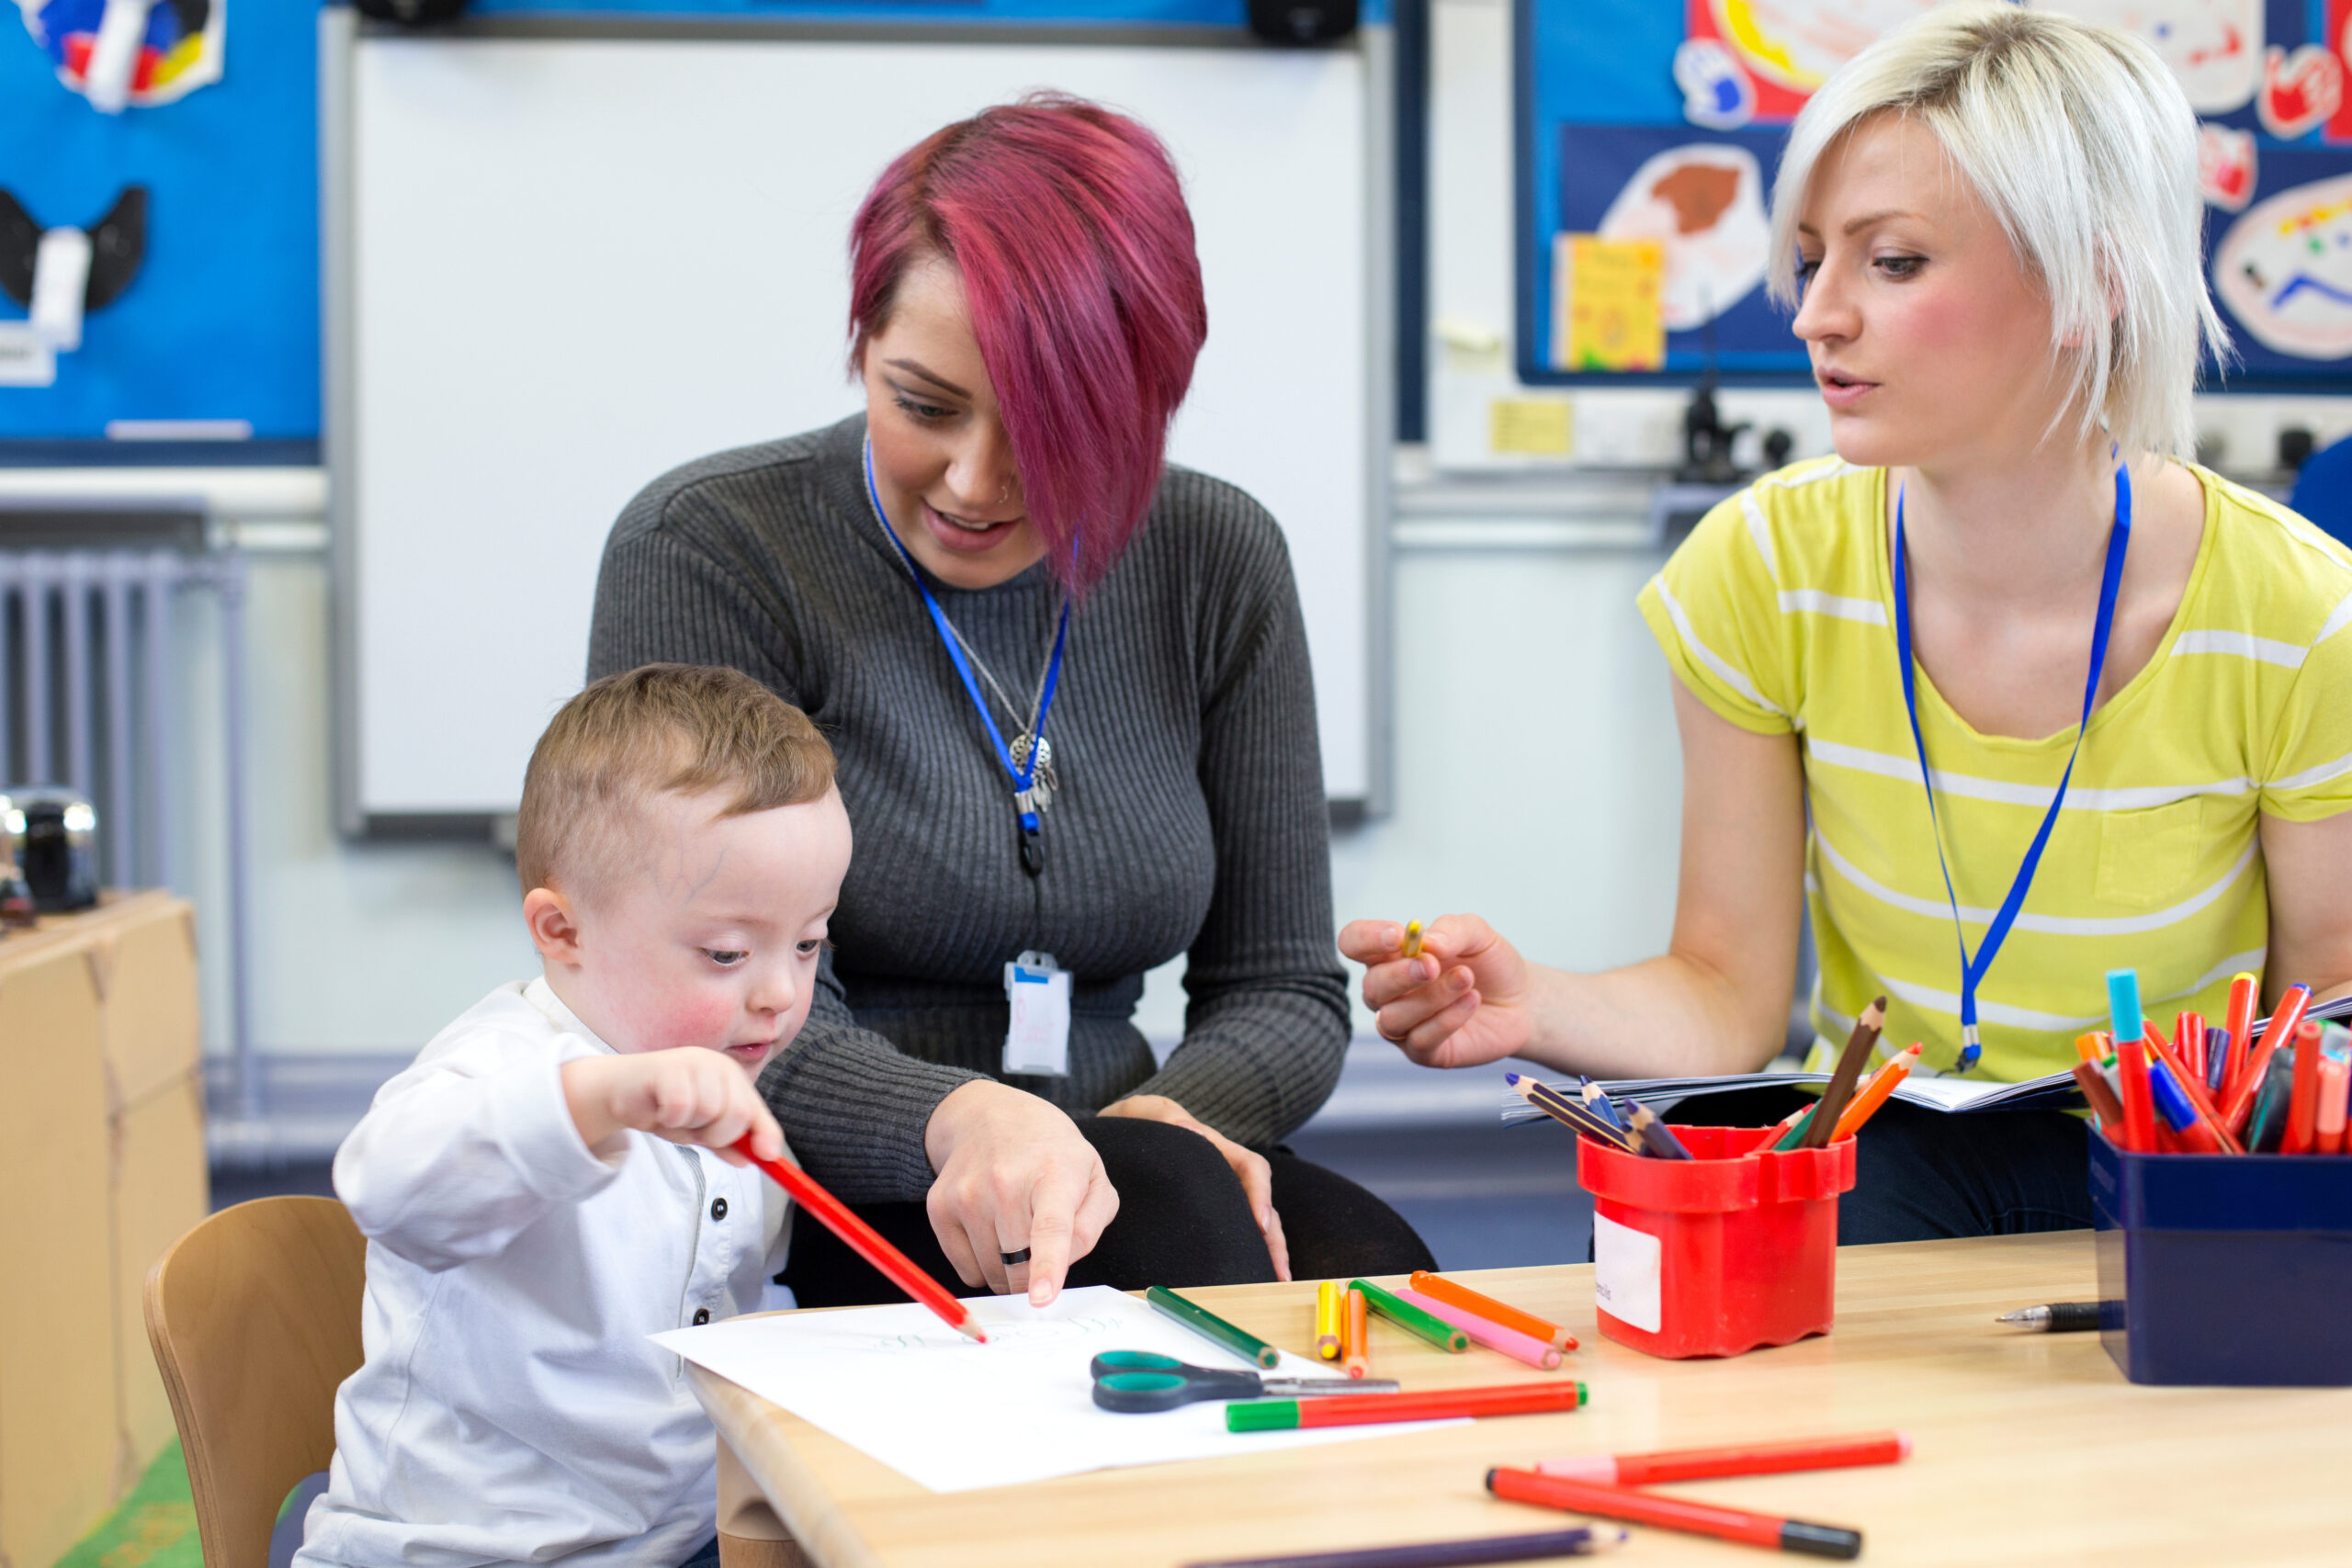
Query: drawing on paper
[[2214, 46], [1703, 203], [2285, 270], [1048, 1332]]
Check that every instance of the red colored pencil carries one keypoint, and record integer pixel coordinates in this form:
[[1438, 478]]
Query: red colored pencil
[[1745, 1459], [1493, 1311], [2192, 1088], [2280, 1031], [2138, 1105], [1374, 1409], [2245, 994], [865, 1240], [1674, 1513]]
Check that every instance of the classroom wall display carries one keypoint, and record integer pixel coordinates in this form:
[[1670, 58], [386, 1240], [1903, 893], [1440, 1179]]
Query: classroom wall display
[[1649, 133], [567, 261], [218, 330]]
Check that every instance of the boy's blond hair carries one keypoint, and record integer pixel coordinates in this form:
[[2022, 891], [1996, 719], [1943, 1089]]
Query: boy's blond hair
[[657, 728]]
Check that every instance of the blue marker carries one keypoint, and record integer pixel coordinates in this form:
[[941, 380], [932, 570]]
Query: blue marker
[[2217, 1057], [2123, 1004], [2172, 1102]]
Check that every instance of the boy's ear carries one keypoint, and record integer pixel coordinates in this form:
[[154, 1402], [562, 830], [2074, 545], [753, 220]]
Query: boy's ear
[[553, 924]]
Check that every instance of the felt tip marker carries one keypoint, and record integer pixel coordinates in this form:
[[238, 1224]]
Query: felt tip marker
[[2245, 994], [1674, 1513], [2123, 1003], [1376, 1409], [1743, 1459]]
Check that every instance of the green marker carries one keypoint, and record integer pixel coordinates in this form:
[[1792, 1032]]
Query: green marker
[[1208, 1326], [1412, 1319]]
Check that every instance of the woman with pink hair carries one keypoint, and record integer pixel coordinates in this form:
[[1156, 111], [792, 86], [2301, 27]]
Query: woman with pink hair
[[1068, 683]]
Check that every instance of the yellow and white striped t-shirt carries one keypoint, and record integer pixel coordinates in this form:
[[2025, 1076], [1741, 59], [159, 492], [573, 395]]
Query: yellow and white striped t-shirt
[[1778, 615]]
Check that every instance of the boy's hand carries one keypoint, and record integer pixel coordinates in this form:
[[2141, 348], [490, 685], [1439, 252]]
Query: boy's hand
[[688, 1095]]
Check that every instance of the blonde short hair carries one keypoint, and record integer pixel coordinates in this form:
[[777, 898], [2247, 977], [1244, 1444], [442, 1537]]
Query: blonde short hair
[[2080, 141], [657, 728]]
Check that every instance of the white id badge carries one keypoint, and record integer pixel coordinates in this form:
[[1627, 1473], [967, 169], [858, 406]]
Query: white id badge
[[1038, 1041]]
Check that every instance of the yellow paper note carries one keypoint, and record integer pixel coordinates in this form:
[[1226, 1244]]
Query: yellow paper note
[[1531, 427], [1610, 313]]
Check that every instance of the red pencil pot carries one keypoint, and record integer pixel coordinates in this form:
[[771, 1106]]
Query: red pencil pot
[[1717, 1255]]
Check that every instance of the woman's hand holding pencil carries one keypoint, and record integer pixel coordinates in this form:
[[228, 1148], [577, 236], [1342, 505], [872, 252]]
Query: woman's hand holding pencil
[[1457, 1001]]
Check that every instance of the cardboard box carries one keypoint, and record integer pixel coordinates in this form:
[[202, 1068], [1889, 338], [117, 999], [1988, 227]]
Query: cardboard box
[[160, 1191], [59, 1406], [102, 1168]]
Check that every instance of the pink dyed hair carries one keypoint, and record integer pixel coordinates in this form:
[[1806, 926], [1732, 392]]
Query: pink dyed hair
[[1068, 226]]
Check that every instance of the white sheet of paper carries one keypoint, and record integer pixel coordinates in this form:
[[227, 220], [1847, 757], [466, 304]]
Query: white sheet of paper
[[953, 1415]]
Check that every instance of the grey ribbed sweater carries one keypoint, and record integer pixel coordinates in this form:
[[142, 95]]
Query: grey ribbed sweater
[[1190, 817]]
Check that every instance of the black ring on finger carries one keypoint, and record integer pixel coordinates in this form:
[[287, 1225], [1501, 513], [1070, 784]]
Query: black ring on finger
[[1015, 1260]]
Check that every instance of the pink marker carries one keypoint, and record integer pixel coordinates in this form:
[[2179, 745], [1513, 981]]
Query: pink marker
[[1493, 1335]]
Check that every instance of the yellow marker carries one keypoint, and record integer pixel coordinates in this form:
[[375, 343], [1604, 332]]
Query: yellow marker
[[1413, 939], [1330, 1311]]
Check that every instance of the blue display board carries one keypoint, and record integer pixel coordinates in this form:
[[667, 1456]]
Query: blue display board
[[1663, 119], [221, 321]]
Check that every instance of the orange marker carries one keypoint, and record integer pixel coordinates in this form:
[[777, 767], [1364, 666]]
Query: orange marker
[[2334, 1088], [1503, 1314], [1872, 1095], [1355, 1336], [2094, 1047]]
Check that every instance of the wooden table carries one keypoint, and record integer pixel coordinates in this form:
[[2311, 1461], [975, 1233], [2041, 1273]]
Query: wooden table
[[2030, 1448]]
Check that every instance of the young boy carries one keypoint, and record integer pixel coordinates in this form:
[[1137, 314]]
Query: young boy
[[553, 1181]]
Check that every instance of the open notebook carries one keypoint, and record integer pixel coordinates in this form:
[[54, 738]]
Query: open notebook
[[2056, 1091]]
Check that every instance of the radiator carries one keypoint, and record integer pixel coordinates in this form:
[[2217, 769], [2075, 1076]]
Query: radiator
[[90, 697]]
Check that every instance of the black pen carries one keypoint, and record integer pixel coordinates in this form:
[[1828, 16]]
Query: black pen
[[2058, 1317]]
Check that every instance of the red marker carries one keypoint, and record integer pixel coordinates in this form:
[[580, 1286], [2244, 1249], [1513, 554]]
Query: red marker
[[2189, 1038], [865, 1240], [2302, 1104], [1674, 1513], [2279, 1031], [1746, 1459], [2131, 1088], [1372, 1409], [2245, 994], [2207, 1133]]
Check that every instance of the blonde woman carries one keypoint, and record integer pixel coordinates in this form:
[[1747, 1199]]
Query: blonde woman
[[2125, 677]]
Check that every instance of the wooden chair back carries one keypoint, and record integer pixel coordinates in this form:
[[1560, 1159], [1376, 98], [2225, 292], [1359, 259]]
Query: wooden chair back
[[254, 1320]]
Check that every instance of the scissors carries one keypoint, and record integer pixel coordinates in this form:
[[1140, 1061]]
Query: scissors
[[1137, 1380]]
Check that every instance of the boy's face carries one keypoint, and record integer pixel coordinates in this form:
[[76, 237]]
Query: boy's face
[[707, 933]]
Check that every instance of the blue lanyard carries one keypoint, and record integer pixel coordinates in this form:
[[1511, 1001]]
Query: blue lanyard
[[1972, 970], [1024, 776]]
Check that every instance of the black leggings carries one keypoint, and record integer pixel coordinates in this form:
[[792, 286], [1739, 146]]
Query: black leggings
[[1182, 1219], [1921, 1175]]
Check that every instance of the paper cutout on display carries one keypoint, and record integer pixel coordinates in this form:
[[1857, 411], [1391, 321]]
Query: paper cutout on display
[[2214, 46], [2300, 91], [1796, 44], [1703, 204], [137, 53], [1609, 311], [2225, 166], [2285, 270], [1717, 93]]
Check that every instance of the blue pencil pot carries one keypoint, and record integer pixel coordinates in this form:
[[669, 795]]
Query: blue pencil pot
[[2231, 1270]]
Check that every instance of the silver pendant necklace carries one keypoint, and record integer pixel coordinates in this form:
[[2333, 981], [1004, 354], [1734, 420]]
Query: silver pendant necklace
[[1042, 786]]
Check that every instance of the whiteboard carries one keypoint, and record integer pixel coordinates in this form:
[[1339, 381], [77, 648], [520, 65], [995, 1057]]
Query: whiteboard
[[571, 263]]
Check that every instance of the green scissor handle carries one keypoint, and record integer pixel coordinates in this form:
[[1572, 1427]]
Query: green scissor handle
[[1132, 1381], [1110, 1361]]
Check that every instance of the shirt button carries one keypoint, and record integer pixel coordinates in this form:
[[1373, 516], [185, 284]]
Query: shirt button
[[702, 1315], [719, 1208]]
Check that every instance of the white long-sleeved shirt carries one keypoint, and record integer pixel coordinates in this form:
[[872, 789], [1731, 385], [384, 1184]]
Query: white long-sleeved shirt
[[511, 1408]]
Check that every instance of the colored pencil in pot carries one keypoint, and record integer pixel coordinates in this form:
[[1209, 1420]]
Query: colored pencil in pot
[[1741, 1459], [1493, 1311], [1573, 1114], [1436, 1405], [1412, 1319], [1599, 1104], [1657, 1137], [1330, 1310], [1541, 1354], [1210, 1326], [1675, 1513], [865, 1241], [1870, 1096], [1848, 1073]]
